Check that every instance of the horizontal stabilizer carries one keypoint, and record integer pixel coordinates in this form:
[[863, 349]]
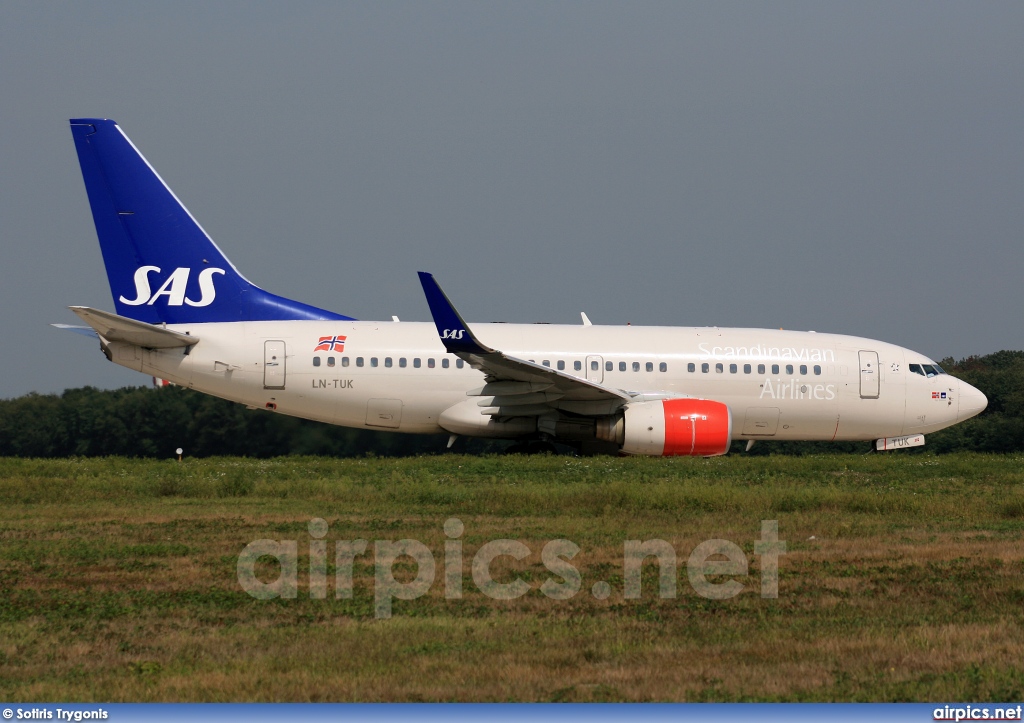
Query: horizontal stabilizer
[[117, 328], [83, 330]]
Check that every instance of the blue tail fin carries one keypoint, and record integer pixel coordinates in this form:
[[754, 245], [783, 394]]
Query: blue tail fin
[[161, 265]]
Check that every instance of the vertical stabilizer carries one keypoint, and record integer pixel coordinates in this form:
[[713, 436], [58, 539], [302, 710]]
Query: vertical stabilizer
[[161, 265]]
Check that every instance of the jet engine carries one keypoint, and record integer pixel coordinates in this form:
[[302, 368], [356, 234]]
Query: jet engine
[[670, 428]]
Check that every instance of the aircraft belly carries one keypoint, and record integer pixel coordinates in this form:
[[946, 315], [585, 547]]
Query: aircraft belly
[[784, 419], [865, 419], [420, 408]]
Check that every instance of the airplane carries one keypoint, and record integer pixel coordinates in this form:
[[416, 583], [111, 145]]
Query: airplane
[[185, 314]]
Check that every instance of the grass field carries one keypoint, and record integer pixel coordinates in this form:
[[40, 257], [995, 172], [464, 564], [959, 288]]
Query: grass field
[[903, 580]]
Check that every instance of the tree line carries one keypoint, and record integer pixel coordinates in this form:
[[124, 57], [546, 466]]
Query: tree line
[[153, 422]]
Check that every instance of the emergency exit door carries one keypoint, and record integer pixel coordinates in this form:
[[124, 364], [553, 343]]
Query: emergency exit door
[[273, 365], [869, 376]]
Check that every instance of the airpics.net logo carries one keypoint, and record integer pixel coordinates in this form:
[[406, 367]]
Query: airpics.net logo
[[714, 558]]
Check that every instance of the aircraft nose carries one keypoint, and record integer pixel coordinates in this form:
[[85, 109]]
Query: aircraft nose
[[972, 402]]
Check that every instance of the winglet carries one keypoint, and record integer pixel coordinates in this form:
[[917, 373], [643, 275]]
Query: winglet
[[454, 333]]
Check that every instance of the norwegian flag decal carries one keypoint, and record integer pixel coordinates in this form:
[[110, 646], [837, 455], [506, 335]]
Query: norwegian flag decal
[[331, 343]]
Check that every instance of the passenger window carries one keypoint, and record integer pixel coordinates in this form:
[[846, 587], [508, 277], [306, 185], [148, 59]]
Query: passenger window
[[330, 361], [608, 366], [577, 365], [649, 366], [594, 366], [373, 361], [746, 369], [546, 363], [719, 368], [387, 362], [344, 361], [401, 362], [359, 361], [561, 365], [416, 363], [459, 364], [316, 361], [817, 370], [803, 368], [691, 367], [622, 366], [775, 368], [789, 369], [760, 368], [705, 368], [444, 363], [663, 367], [733, 368], [430, 363], [636, 366]]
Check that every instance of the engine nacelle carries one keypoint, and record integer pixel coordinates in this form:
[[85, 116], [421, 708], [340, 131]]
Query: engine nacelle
[[671, 428]]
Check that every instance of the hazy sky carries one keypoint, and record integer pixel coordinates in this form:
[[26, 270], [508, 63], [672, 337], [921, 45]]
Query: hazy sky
[[854, 167]]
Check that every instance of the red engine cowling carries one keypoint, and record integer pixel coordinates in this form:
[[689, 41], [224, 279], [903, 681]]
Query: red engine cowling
[[676, 427]]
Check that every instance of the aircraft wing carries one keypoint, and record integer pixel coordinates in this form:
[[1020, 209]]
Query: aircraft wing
[[515, 387], [117, 328]]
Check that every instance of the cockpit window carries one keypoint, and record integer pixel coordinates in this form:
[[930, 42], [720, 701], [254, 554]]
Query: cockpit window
[[926, 370]]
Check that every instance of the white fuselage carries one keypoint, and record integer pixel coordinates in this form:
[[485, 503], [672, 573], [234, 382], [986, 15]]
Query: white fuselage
[[397, 376]]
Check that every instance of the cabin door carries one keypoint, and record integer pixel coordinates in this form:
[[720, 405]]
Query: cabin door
[[869, 376], [273, 365]]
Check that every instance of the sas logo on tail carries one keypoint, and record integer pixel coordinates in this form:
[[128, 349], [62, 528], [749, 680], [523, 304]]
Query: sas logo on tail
[[331, 343], [453, 333], [173, 288]]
